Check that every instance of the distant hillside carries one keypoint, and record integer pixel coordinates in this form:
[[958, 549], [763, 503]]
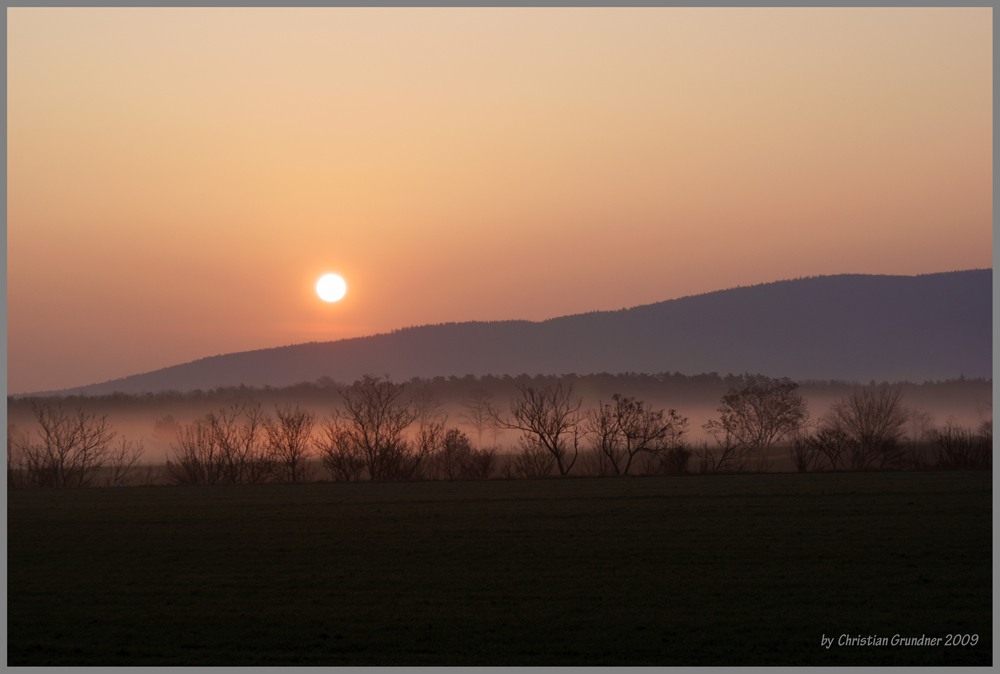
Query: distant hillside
[[852, 326]]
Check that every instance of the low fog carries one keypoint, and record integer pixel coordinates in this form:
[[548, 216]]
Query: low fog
[[155, 420]]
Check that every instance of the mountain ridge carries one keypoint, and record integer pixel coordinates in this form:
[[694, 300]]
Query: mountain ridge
[[846, 326]]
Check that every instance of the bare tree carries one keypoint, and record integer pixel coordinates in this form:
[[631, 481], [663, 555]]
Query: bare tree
[[606, 441], [430, 418], [242, 447], [869, 423], [727, 454], [753, 417], [627, 428], [803, 452], [196, 457], [372, 427], [290, 442], [70, 451], [123, 462], [340, 454], [957, 448], [229, 446], [546, 417], [477, 414], [427, 441], [830, 448]]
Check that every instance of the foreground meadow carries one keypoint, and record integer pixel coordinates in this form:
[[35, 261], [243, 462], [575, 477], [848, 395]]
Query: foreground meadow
[[698, 570]]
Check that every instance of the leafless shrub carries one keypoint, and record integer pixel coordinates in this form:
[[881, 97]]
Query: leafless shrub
[[226, 447], [803, 452], [123, 463], [480, 463], [196, 457], [728, 455], [290, 443], [241, 438], [507, 463], [372, 428], [534, 460], [428, 442], [957, 448], [70, 451], [340, 455], [452, 459], [674, 461]]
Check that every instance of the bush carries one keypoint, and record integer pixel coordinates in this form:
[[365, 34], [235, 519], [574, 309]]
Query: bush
[[962, 449]]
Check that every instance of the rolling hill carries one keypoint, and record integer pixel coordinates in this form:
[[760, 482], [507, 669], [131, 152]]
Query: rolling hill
[[849, 327]]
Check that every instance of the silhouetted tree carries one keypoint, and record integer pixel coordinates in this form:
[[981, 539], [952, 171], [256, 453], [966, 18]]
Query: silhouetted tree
[[867, 426], [802, 451], [627, 427], [427, 441], [546, 416], [480, 463], [370, 428], [430, 418], [229, 446], [453, 457], [240, 436], [196, 457], [477, 414], [957, 448], [70, 451], [290, 442], [123, 462], [753, 417], [340, 454]]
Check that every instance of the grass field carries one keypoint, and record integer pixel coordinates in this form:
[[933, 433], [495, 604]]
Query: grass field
[[700, 570]]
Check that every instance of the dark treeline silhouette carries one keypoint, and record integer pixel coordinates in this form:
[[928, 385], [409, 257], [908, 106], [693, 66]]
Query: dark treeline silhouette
[[386, 431], [698, 389]]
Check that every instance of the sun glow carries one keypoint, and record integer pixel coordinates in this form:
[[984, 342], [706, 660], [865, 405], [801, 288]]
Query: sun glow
[[331, 288]]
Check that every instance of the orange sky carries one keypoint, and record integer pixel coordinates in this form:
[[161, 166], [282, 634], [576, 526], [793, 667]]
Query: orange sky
[[178, 179]]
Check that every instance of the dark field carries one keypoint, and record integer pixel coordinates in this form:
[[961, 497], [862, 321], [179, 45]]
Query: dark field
[[706, 570]]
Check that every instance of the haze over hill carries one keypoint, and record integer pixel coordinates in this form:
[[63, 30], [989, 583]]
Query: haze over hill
[[848, 327]]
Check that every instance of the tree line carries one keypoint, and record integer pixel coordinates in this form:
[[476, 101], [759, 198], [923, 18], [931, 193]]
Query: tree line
[[383, 432], [698, 389]]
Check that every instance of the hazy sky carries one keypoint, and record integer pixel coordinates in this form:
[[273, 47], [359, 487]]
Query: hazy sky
[[178, 179]]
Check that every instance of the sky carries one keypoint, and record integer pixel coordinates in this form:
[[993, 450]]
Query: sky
[[178, 179]]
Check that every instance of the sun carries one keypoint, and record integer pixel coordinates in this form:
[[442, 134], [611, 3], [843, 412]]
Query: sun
[[331, 288]]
